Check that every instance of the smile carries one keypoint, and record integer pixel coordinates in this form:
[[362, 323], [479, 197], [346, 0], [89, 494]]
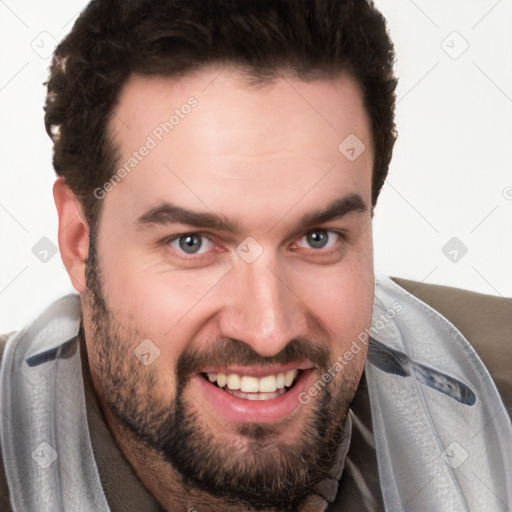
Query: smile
[[254, 395], [248, 387]]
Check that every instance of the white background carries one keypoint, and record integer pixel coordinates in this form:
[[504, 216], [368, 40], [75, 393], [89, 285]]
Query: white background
[[451, 174]]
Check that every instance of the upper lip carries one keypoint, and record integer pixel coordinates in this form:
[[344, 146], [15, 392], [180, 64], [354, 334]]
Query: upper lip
[[259, 371]]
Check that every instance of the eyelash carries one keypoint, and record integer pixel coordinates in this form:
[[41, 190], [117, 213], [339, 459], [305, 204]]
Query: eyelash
[[343, 238]]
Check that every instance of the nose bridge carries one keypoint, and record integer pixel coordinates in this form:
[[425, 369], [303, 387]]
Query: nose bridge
[[263, 311]]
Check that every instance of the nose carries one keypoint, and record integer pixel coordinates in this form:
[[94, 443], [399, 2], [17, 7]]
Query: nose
[[262, 309]]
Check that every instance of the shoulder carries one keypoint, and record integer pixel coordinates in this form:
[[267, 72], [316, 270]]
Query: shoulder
[[4, 338], [4, 488], [484, 320]]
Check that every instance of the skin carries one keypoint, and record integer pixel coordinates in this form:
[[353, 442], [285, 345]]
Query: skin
[[262, 155]]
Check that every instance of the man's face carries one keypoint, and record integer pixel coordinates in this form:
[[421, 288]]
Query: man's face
[[273, 294]]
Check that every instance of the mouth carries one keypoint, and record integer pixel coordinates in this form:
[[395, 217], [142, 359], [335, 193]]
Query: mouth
[[243, 396], [249, 387]]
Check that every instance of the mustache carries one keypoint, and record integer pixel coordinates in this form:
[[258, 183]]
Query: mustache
[[231, 352]]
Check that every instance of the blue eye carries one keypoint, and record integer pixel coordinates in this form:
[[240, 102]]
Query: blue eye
[[321, 239], [192, 243]]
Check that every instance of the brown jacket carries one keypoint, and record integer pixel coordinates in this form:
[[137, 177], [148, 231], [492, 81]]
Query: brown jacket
[[485, 321]]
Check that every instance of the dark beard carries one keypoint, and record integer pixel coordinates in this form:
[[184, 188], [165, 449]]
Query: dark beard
[[264, 474]]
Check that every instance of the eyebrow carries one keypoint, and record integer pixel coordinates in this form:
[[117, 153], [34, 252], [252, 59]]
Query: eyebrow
[[167, 213]]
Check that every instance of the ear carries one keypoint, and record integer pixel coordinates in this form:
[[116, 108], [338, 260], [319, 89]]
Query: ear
[[73, 233]]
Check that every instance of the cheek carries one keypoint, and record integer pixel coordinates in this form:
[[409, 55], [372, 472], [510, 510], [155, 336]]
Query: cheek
[[346, 305], [343, 303], [350, 315], [159, 305]]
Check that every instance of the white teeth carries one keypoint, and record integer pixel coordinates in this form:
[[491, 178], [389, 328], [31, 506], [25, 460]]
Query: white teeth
[[256, 396], [221, 379], [233, 381], [289, 376], [249, 384], [262, 396], [267, 384]]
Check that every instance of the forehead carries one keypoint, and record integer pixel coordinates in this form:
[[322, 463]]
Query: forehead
[[214, 132], [226, 97]]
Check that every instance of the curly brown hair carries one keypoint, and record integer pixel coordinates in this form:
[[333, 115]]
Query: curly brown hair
[[113, 39]]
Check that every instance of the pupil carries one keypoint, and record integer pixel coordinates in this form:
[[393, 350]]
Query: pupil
[[190, 243], [317, 239]]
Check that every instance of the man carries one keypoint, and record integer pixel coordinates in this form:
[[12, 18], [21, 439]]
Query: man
[[230, 347]]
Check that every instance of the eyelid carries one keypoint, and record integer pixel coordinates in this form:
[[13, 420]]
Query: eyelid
[[166, 241], [341, 234]]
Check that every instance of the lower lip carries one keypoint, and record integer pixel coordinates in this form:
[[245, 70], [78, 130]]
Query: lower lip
[[240, 410]]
